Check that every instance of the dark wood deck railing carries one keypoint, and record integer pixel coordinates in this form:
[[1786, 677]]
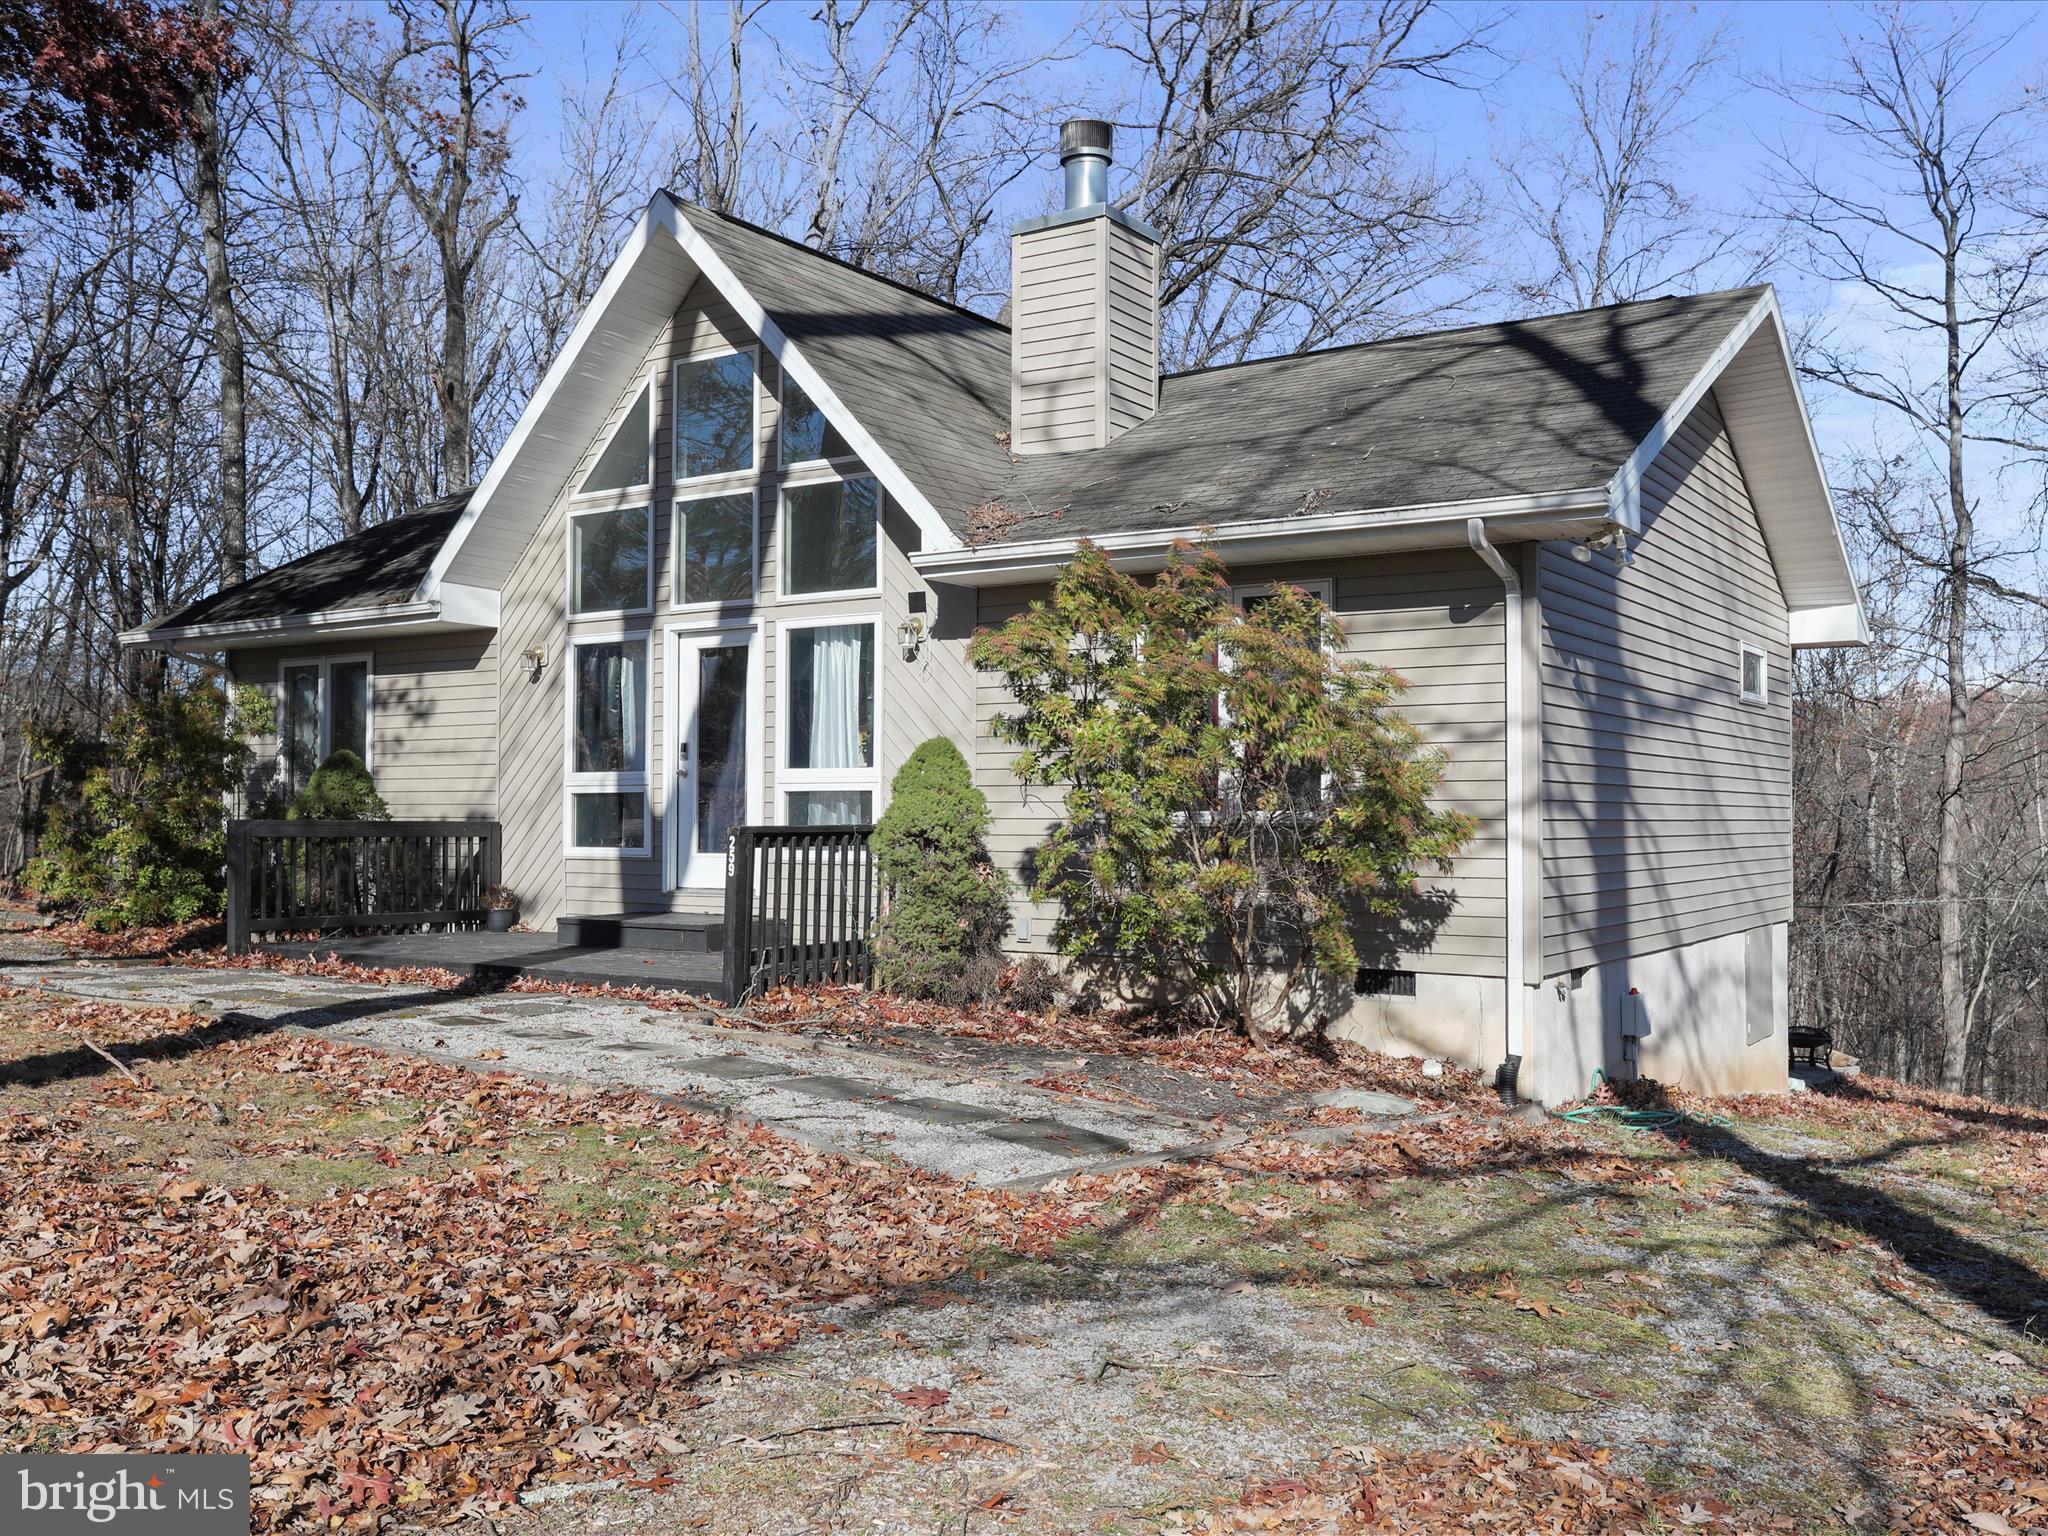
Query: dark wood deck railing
[[799, 904], [294, 876]]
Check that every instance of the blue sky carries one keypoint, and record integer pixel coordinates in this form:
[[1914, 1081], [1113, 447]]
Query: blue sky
[[1726, 163]]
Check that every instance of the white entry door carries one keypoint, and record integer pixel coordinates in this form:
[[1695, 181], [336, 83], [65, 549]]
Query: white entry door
[[716, 764]]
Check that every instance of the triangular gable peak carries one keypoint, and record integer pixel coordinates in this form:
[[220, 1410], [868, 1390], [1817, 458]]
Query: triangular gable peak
[[1752, 378], [662, 260]]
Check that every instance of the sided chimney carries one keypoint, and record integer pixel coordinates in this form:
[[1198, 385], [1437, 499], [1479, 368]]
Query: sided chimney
[[1084, 311]]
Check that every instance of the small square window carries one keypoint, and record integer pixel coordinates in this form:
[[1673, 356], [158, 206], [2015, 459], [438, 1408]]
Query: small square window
[[1755, 675], [715, 549], [831, 538], [830, 807], [608, 560], [807, 436], [609, 820]]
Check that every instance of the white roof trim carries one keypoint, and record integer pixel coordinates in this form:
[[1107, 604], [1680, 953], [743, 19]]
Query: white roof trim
[[1329, 532], [412, 617], [658, 218], [1841, 618], [662, 220], [786, 352]]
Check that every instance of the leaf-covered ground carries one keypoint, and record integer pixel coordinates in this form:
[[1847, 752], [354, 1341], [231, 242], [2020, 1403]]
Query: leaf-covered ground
[[416, 1294]]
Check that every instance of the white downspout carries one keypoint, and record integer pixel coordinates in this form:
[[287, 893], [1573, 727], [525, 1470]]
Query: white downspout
[[1517, 1003]]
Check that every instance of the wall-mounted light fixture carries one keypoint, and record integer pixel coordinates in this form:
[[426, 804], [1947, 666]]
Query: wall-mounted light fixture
[[536, 662], [910, 637]]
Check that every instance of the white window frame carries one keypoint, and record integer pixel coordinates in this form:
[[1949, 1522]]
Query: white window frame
[[324, 707], [574, 783], [820, 472], [1743, 651], [675, 813], [696, 492], [788, 778], [732, 479], [782, 385], [620, 501], [643, 488]]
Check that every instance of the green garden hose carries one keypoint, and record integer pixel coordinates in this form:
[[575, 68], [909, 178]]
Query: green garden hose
[[1634, 1119]]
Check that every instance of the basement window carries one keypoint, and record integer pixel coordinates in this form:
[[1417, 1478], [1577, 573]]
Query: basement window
[[1755, 674], [1377, 983]]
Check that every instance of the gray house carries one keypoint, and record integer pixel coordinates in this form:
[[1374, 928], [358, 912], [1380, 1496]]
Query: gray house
[[726, 567]]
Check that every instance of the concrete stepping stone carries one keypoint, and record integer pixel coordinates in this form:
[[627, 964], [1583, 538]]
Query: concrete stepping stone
[[733, 1068], [1367, 1101], [644, 1047], [939, 1111], [1056, 1137], [552, 1036], [839, 1090]]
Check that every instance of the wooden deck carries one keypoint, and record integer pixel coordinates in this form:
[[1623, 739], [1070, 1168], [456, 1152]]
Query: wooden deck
[[620, 949]]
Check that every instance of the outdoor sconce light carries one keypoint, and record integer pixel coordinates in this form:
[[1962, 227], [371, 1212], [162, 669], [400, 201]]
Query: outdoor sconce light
[[910, 637], [536, 662]]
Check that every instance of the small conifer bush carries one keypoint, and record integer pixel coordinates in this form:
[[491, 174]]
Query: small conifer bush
[[340, 789], [945, 902]]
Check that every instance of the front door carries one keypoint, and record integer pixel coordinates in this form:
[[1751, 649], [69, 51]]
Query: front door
[[717, 734]]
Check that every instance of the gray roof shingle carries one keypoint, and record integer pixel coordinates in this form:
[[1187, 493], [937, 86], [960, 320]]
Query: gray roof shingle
[[1521, 407], [382, 564]]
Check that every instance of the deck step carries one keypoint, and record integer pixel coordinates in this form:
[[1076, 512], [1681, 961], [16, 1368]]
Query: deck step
[[668, 932]]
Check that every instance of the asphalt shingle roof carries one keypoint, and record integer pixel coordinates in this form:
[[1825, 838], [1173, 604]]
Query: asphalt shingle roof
[[382, 564], [1521, 407]]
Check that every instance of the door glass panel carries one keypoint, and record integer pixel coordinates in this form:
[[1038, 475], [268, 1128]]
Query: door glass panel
[[348, 684], [301, 725], [721, 766]]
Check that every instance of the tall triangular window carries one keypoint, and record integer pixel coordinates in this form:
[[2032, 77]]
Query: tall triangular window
[[626, 461]]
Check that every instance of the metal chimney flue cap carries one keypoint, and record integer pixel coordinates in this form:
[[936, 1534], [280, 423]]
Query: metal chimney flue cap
[[1085, 136]]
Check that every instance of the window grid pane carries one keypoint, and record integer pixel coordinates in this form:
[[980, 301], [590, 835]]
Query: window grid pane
[[832, 697], [830, 807], [607, 819], [623, 464], [715, 549], [301, 725], [806, 434], [715, 415], [721, 759], [830, 537], [348, 704], [611, 728], [608, 561]]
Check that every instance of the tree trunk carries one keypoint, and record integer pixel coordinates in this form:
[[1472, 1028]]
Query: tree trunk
[[210, 155], [1948, 850]]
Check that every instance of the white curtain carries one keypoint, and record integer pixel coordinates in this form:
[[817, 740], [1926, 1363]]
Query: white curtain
[[835, 697], [632, 658]]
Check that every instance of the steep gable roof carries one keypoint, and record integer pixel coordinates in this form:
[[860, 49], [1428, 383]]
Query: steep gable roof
[[928, 380]]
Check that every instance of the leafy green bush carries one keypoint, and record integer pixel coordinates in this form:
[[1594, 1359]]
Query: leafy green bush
[[942, 926], [1238, 793], [136, 833], [340, 789]]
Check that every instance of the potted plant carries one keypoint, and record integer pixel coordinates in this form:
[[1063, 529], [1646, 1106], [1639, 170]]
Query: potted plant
[[501, 908]]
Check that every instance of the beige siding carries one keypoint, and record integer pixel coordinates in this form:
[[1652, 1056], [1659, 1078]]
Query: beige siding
[[1084, 313], [433, 717], [1433, 618], [917, 698], [1666, 799]]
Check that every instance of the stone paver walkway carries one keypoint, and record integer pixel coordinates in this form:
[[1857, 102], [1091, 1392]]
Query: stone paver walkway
[[970, 1124]]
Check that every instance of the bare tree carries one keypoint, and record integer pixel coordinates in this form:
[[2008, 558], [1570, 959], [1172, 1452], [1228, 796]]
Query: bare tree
[[1274, 160], [209, 188], [1600, 186], [442, 95], [1920, 215]]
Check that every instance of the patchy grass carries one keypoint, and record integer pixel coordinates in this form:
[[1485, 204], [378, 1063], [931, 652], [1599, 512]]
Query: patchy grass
[[413, 1292]]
